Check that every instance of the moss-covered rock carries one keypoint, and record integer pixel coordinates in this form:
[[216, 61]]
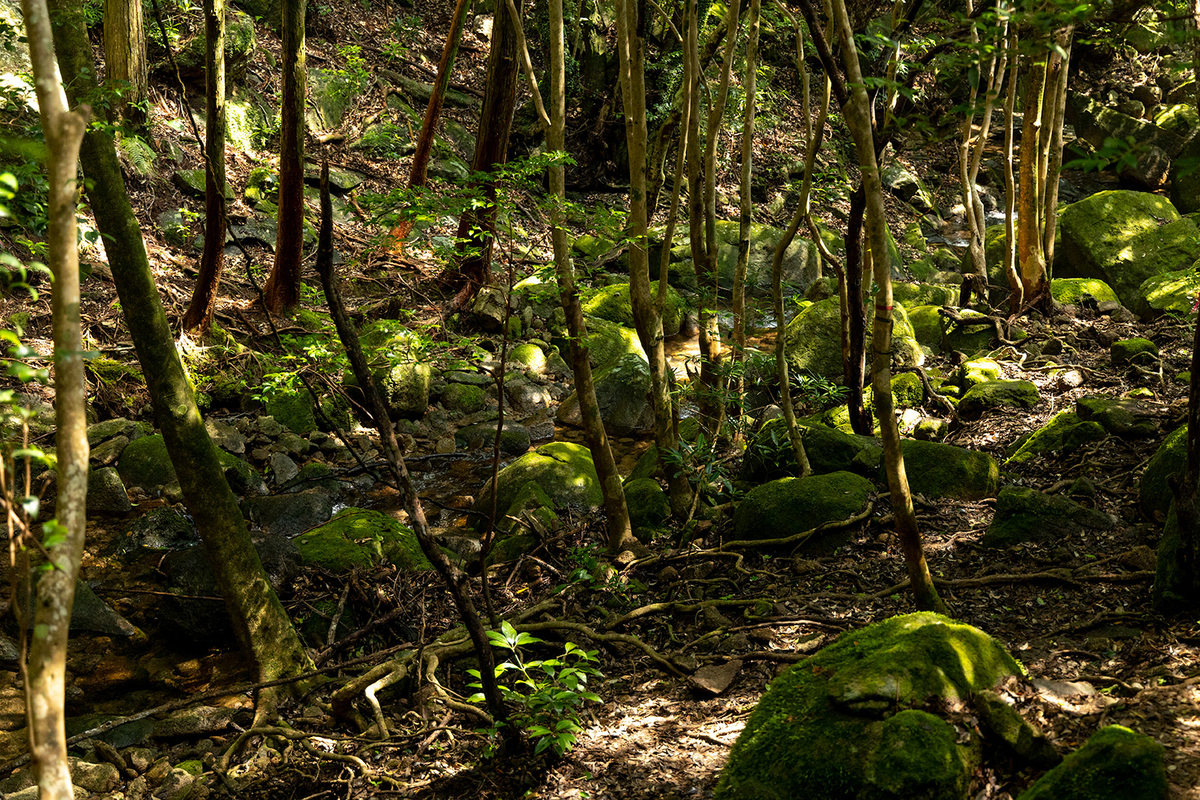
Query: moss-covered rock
[[649, 507], [563, 470], [356, 537], [828, 728], [1027, 515], [464, 398], [396, 357], [1171, 292], [1133, 351], [1176, 589], [1178, 118], [608, 341], [514, 438], [1064, 432], [1068, 290], [530, 356], [928, 326], [613, 304], [623, 395], [989, 395], [814, 339], [145, 463], [925, 294], [1120, 416], [591, 247], [262, 184], [789, 505], [907, 391], [943, 470], [294, 410], [1154, 493], [971, 337], [191, 181], [1116, 763], [1120, 238]]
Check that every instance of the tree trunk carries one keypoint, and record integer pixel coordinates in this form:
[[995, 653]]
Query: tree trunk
[[282, 291], [477, 226], [47, 666], [858, 119], [125, 59], [204, 295], [648, 319], [745, 205], [1057, 114], [259, 621], [1030, 256], [417, 172], [1012, 269], [854, 316]]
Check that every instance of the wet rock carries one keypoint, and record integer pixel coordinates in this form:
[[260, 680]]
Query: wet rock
[[106, 493], [288, 514], [1027, 515]]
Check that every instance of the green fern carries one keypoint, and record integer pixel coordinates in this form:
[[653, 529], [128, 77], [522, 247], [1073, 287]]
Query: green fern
[[140, 155]]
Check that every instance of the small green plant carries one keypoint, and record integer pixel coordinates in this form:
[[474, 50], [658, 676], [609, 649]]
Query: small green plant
[[547, 694], [353, 76], [817, 391], [703, 464]]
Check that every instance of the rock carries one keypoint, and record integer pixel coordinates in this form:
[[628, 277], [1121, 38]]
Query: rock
[[612, 303], [526, 396], [769, 454], [191, 181], [161, 528], [1124, 238], [1064, 432], [990, 395], [608, 341], [530, 356], [360, 538], [911, 295], [1068, 291], [109, 429], [828, 728], [714, 680], [93, 615], [1001, 721], [514, 439], [225, 436], [979, 370], [196, 619], [1175, 588], [194, 722], [1180, 119], [106, 453], [563, 470], [288, 514], [970, 337], [1185, 178], [144, 463], [240, 47], [801, 262], [1171, 292], [1119, 416], [293, 409], [649, 508], [95, 778], [814, 339], [905, 185], [928, 326], [1133, 351], [464, 398], [931, 429], [787, 506], [1115, 764], [396, 358], [1154, 493], [942, 470], [1026, 515], [283, 469], [623, 395], [331, 93], [106, 493], [1153, 147]]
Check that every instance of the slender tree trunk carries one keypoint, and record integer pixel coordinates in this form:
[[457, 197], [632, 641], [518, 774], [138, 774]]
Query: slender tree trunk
[[125, 59], [47, 666], [204, 295], [554, 123], [259, 621], [858, 119], [1012, 268], [745, 205], [417, 173], [630, 48], [1057, 114], [282, 291], [854, 316], [1030, 256], [477, 226]]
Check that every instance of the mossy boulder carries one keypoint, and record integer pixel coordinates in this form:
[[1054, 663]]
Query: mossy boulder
[[979, 370], [514, 438], [240, 46], [928, 326], [356, 537], [990, 395], [294, 410], [814, 339], [608, 341], [191, 181], [1068, 290], [144, 462], [925, 294], [789, 505], [907, 391], [530, 356], [1175, 589], [1116, 763], [1171, 292], [1178, 118], [1063, 433], [972, 337], [396, 357], [613, 304], [842, 724], [649, 507], [1124, 238], [1154, 493], [1120, 416], [563, 470], [1133, 351], [1027, 515], [464, 398], [623, 395], [943, 470]]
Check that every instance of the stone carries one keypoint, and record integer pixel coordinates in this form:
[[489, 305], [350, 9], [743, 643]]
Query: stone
[[942, 470], [530, 356], [608, 341], [397, 360], [623, 395], [225, 436], [1116, 763], [527, 396], [191, 181], [769, 453], [979, 370], [847, 722], [1068, 291], [1063, 433], [1185, 178], [360, 538], [911, 295], [1124, 238], [1003, 722], [162, 528], [288, 514], [261, 184], [1154, 147], [613, 303], [1026, 515], [563, 470], [649, 508], [514, 439], [813, 341], [1171, 292], [1175, 589], [283, 469], [904, 184], [714, 680], [240, 47], [1119, 416], [293, 409], [106, 493], [788, 506], [464, 398], [1154, 492], [144, 463], [95, 778], [1133, 351], [990, 395], [801, 261], [91, 614], [109, 429]]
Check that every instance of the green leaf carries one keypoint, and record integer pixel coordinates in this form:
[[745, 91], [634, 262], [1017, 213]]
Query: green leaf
[[476, 698], [54, 533]]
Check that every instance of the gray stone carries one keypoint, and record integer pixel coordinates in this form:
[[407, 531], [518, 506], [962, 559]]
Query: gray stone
[[526, 396], [225, 436], [1154, 146], [1027, 515], [106, 493], [288, 514], [623, 394], [514, 440], [91, 614], [110, 428], [283, 469], [161, 528], [107, 452], [95, 778]]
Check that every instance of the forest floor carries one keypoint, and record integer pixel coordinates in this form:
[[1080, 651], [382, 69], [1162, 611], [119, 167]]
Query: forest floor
[[1075, 613]]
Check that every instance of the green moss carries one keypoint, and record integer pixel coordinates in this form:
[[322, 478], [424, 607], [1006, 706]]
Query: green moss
[[1119, 416], [647, 502], [530, 356], [614, 304], [927, 324], [145, 463], [294, 410], [991, 395], [1027, 515], [979, 370], [110, 371], [191, 767], [1069, 290], [609, 341], [942, 470], [464, 398], [924, 294], [789, 505], [907, 391], [591, 247], [769, 453], [919, 757], [1133, 351], [814, 339], [359, 538], [1171, 292], [563, 470], [1154, 493], [1063, 433], [1178, 118], [1116, 763]]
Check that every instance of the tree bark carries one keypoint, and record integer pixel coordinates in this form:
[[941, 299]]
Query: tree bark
[[858, 119], [125, 59], [212, 260], [1030, 256], [259, 621], [745, 205], [282, 291], [418, 171], [45, 693], [1012, 269]]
